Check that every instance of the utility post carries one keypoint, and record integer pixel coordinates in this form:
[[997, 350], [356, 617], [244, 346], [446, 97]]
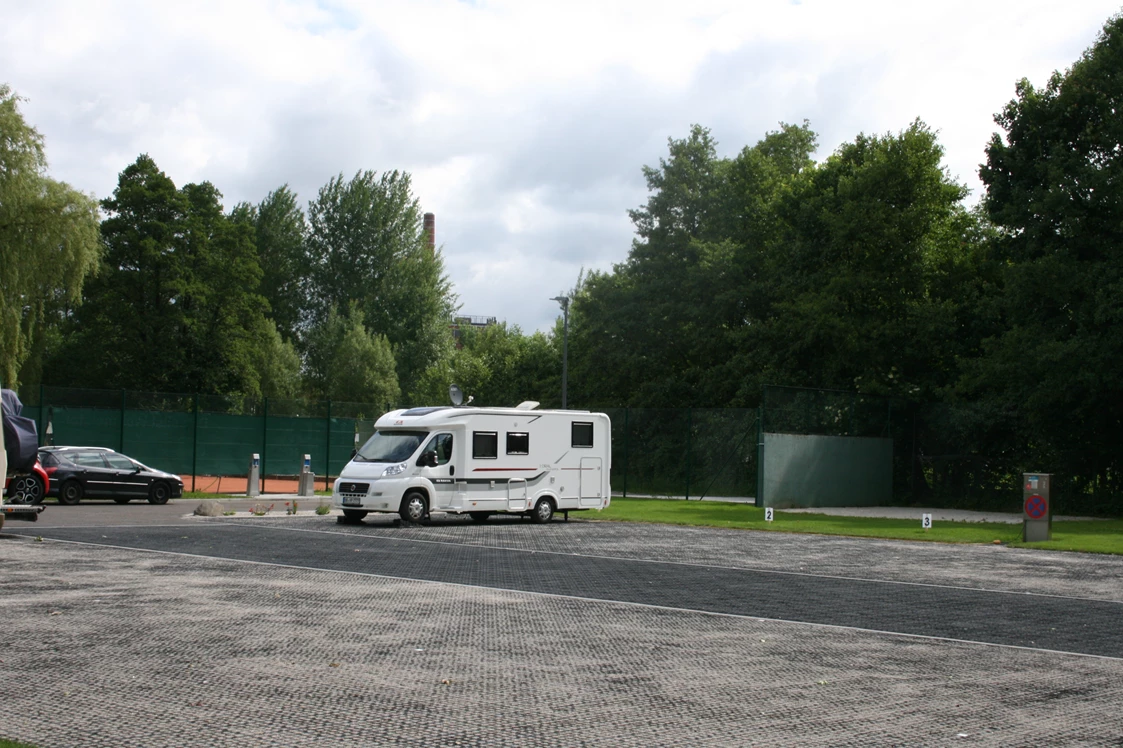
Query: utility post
[[564, 301]]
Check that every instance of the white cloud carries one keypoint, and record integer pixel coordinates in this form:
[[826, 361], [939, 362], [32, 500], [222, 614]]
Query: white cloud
[[524, 124]]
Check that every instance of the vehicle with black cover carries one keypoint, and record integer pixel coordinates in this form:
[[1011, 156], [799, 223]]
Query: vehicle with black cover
[[25, 483]]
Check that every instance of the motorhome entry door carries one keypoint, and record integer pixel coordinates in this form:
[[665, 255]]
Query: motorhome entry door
[[517, 496], [591, 481]]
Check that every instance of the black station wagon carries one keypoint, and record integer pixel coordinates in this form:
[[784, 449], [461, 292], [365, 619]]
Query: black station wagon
[[101, 473]]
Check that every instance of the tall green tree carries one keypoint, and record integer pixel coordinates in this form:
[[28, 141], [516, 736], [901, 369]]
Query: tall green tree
[[647, 338], [175, 307], [498, 365], [366, 245], [1054, 180], [346, 361], [662, 328], [771, 269], [280, 230], [123, 333], [219, 296], [48, 244], [854, 271], [741, 285], [277, 363]]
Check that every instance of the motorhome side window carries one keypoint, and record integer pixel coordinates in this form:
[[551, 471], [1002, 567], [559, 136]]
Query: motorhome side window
[[582, 434], [518, 443], [485, 445]]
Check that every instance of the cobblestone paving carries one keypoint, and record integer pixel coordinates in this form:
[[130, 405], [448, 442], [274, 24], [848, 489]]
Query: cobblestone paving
[[1046, 622], [992, 567], [117, 647]]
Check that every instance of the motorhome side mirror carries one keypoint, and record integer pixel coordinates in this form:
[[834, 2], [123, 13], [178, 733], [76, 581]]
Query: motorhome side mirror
[[427, 459], [353, 453]]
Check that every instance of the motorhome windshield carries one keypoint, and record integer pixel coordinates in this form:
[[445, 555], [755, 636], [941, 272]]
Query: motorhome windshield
[[390, 446]]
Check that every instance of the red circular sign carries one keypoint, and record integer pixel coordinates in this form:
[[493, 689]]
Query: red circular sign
[[1036, 506]]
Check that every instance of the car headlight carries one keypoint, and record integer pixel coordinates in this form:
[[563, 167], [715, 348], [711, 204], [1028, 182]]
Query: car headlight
[[395, 469]]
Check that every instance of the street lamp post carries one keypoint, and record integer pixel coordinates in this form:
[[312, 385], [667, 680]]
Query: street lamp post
[[564, 301]]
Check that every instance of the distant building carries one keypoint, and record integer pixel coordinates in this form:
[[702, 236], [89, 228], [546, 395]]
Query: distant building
[[429, 230], [469, 321]]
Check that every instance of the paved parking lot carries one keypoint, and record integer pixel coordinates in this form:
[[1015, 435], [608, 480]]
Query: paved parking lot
[[299, 631]]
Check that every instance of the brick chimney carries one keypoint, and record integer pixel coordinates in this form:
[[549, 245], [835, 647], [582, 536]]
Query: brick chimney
[[430, 228]]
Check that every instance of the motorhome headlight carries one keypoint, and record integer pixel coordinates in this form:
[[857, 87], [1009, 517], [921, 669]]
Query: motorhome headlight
[[395, 469]]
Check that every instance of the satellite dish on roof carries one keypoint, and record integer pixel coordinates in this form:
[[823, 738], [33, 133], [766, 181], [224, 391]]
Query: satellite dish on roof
[[455, 394]]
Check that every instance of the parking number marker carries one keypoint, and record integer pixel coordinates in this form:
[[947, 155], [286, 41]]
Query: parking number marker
[[768, 514], [926, 521]]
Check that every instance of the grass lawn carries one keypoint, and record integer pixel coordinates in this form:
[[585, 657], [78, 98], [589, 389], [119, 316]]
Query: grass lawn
[[13, 744], [1102, 536]]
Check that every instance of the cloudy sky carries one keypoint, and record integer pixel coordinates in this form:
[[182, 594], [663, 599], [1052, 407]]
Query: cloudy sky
[[524, 123]]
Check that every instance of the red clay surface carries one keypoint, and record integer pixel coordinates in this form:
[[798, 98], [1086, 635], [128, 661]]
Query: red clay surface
[[238, 483]]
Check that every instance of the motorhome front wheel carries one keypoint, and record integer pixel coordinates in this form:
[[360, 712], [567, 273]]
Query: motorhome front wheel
[[413, 507]]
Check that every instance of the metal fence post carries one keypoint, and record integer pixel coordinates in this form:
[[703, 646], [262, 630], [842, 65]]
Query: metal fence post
[[853, 410], [264, 434], [42, 414], [327, 453], [195, 443], [760, 454], [912, 457], [122, 439], [689, 447], [625, 452]]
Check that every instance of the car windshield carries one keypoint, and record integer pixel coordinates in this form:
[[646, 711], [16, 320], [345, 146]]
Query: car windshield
[[390, 446]]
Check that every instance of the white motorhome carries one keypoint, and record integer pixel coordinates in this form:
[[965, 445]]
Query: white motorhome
[[479, 461]]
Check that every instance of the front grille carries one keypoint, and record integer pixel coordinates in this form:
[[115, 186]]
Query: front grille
[[348, 487]]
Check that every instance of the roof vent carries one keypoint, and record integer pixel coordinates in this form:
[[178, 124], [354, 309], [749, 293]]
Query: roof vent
[[527, 405]]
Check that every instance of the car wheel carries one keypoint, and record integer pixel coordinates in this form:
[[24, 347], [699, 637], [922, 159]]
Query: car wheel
[[543, 511], [159, 493], [40, 491], [479, 516], [26, 489], [70, 493], [123, 501], [413, 507], [354, 515]]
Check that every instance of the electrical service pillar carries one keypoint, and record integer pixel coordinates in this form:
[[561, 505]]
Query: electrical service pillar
[[1037, 523], [253, 479], [307, 478]]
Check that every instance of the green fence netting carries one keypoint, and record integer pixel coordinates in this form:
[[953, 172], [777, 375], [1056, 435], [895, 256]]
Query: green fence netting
[[202, 435], [685, 452]]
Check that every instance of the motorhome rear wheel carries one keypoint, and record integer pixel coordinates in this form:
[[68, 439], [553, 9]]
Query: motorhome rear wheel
[[543, 511]]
